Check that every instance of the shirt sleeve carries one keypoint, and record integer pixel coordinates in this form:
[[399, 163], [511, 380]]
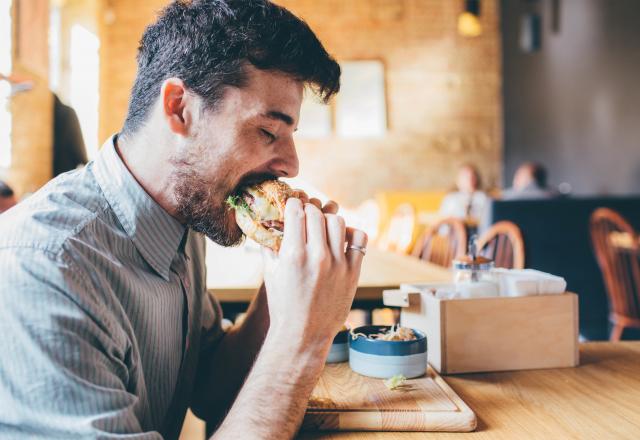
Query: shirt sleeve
[[62, 374]]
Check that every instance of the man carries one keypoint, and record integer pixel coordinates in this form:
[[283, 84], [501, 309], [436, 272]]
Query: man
[[7, 197], [106, 330], [529, 182]]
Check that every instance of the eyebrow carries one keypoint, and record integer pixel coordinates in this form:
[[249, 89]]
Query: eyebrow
[[279, 116]]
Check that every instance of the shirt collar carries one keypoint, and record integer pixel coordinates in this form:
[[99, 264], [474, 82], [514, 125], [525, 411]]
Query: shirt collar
[[155, 233]]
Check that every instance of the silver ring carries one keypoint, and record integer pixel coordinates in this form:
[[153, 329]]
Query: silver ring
[[353, 247]]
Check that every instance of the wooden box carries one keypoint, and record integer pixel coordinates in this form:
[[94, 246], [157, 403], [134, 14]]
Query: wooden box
[[492, 334]]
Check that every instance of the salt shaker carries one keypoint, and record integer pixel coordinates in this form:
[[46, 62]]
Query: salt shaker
[[472, 274]]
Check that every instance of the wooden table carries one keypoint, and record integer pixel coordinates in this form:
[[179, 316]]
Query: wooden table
[[598, 400], [234, 274]]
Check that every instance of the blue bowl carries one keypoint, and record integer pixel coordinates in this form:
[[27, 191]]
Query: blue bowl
[[339, 348], [385, 359]]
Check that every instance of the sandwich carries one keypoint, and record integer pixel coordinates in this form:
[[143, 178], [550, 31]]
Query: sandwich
[[259, 211]]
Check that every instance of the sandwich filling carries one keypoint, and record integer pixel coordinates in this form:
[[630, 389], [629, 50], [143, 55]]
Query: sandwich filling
[[260, 211]]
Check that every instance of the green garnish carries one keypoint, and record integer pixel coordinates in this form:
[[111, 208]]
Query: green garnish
[[395, 382], [237, 202]]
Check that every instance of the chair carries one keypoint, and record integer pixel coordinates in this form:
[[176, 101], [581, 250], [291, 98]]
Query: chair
[[620, 267], [399, 236], [504, 245], [442, 243], [422, 202]]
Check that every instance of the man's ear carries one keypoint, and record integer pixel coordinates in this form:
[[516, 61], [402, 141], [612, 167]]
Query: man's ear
[[177, 105]]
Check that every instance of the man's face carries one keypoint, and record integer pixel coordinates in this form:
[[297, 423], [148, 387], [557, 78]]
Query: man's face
[[523, 178], [247, 138]]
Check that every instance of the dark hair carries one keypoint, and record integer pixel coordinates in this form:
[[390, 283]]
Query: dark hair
[[5, 190], [538, 172], [207, 44]]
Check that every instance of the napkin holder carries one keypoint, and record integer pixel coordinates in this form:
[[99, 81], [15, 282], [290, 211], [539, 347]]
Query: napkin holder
[[491, 334]]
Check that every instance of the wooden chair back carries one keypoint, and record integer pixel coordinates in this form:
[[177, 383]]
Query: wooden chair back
[[442, 243], [400, 232], [504, 245], [616, 246]]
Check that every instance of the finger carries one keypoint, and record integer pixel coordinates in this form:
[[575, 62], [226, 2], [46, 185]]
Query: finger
[[269, 257], [330, 207], [294, 224], [316, 229], [336, 235], [299, 194], [316, 202], [356, 238]]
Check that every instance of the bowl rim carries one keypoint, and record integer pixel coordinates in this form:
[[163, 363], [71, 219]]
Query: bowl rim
[[342, 337], [421, 335]]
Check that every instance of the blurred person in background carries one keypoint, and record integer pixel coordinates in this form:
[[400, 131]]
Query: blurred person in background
[[69, 150], [469, 202], [18, 84], [529, 182], [7, 197]]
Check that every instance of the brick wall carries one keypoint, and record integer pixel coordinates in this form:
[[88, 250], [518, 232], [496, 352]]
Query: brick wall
[[443, 95], [443, 91], [31, 136], [32, 112], [122, 26]]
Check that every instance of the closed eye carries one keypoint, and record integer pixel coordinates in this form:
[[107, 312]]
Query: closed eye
[[270, 136]]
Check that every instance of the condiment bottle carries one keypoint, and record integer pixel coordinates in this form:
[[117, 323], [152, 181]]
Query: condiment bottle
[[472, 274]]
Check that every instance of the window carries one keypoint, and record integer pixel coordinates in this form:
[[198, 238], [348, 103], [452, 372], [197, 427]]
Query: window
[[361, 109], [84, 83]]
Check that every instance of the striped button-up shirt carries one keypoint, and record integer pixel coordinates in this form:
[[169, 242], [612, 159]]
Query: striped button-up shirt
[[104, 315]]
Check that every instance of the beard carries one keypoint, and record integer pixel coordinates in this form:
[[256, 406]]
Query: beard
[[201, 200], [200, 204]]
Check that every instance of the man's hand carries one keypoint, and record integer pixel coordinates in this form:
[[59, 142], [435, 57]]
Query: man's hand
[[312, 281], [310, 286], [330, 207]]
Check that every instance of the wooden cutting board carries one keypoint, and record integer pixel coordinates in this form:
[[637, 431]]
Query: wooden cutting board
[[346, 401]]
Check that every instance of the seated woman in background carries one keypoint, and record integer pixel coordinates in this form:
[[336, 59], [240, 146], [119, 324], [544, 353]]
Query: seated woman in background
[[469, 202]]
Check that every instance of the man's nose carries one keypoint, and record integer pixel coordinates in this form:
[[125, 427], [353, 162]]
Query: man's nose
[[286, 164]]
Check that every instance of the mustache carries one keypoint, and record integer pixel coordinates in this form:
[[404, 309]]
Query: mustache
[[253, 179]]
